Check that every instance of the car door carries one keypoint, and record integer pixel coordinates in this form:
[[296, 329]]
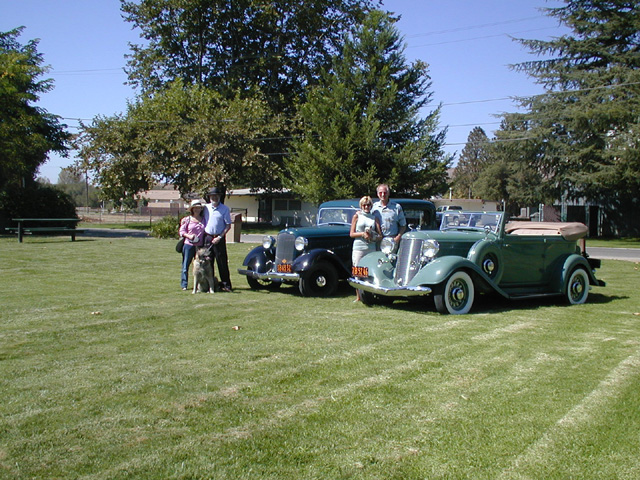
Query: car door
[[524, 260]]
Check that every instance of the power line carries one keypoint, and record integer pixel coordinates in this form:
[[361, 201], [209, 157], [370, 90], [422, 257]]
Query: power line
[[460, 40], [474, 27]]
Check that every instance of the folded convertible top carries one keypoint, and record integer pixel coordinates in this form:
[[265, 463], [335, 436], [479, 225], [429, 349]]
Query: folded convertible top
[[569, 230]]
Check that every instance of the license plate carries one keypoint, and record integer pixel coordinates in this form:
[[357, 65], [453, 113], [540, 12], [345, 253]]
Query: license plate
[[360, 271], [284, 268]]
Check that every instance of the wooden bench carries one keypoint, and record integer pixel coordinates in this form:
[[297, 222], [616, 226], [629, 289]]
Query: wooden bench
[[59, 226]]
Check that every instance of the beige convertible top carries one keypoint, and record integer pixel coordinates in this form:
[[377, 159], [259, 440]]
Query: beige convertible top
[[569, 230]]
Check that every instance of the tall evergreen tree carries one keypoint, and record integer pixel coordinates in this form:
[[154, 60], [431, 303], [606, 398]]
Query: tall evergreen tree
[[471, 162], [362, 126], [588, 128], [509, 173]]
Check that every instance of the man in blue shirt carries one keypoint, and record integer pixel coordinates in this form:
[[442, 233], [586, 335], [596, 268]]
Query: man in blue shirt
[[217, 220], [390, 215]]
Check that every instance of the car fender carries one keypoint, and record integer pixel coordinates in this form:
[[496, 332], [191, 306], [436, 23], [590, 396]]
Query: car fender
[[380, 268], [437, 272], [320, 255], [259, 259], [569, 265], [485, 253]]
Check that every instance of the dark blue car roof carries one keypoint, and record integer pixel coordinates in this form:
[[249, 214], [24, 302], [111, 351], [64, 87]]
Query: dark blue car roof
[[355, 202]]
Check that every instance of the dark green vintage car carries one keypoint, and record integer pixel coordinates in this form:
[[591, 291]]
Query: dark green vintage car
[[317, 258], [480, 252]]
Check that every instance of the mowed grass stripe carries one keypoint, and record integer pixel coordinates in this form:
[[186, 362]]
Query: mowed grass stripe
[[549, 448], [279, 420], [158, 385]]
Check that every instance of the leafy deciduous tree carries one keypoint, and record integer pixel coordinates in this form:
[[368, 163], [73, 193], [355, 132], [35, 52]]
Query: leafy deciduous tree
[[188, 136], [274, 48], [27, 132]]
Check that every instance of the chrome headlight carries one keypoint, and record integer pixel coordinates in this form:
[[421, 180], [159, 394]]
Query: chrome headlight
[[268, 241], [430, 249], [301, 243], [387, 245]]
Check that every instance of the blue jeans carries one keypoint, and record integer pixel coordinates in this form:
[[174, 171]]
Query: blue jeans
[[188, 254]]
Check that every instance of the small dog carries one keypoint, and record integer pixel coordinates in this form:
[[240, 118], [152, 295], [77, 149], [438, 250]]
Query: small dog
[[203, 278]]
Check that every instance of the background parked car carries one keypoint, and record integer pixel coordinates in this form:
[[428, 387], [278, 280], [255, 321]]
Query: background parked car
[[481, 252], [445, 208], [317, 258]]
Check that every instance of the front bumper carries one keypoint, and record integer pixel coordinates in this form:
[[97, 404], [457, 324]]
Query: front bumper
[[406, 291], [283, 277]]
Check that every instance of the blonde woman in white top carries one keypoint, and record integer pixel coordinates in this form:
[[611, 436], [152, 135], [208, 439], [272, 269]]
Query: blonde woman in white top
[[365, 231]]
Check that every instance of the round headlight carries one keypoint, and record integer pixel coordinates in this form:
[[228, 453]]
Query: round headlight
[[430, 248], [387, 245], [268, 241], [301, 243]]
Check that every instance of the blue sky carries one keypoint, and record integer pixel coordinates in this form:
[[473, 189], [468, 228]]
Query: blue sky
[[467, 44]]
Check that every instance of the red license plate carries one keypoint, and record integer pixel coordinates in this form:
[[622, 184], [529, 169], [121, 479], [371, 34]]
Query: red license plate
[[360, 271], [284, 268]]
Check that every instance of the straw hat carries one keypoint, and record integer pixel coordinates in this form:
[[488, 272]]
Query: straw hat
[[194, 203]]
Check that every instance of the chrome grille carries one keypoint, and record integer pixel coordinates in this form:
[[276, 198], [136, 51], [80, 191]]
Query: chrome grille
[[408, 262], [285, 248]]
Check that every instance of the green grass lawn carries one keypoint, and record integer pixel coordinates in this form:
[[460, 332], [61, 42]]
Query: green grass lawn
[[108, 370], [614, 242]]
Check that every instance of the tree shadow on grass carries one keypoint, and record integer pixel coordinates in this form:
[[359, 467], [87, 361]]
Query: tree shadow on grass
[[343, 290]]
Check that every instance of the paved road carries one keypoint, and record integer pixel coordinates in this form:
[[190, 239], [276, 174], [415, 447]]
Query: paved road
[[113, 233], [605, 253], [124, 232]]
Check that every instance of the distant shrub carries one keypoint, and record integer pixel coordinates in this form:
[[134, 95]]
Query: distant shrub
[[166, 228], [34, 201]]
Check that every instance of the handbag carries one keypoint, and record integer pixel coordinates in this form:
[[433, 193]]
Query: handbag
[[180, 245]]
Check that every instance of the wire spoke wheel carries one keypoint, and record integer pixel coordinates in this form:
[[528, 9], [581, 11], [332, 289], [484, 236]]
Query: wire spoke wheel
[[577, 289], [262, 284]]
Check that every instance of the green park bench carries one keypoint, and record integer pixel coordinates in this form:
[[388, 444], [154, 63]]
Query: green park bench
[[54, 226]]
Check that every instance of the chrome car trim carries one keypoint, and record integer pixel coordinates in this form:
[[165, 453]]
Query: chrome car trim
[[285, 248], [289, 277], [408, 262], [406, 291]]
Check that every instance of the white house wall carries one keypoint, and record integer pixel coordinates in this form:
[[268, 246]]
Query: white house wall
[[247, 204]]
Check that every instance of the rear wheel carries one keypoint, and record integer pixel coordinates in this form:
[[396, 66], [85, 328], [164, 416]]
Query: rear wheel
[[457, 296], [577, 289], [260, 284], [319, 281]]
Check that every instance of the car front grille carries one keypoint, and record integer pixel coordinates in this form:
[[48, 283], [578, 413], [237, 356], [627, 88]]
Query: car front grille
[[408, 263], [285, 248]]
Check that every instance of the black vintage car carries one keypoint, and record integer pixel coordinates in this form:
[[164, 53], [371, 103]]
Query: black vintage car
[[317, 257]]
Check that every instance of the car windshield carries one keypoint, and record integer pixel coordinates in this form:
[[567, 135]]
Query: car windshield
[[336, 216], [418, 219], [470, 221]]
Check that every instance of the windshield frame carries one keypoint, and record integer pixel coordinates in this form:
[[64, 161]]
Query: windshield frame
[[347, 210], [471, 221]]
